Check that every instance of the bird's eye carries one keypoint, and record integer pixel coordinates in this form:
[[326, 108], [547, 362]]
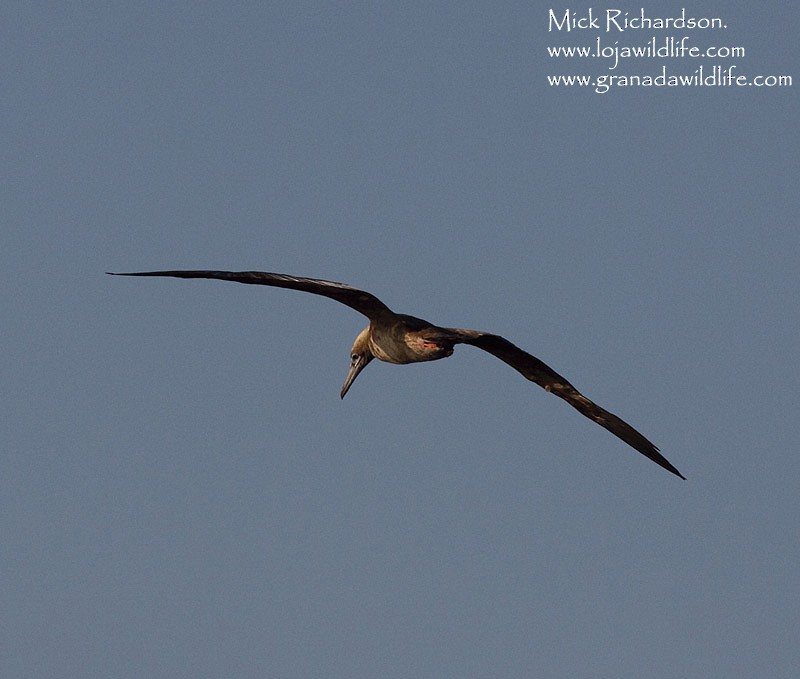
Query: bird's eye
[[353, 358]]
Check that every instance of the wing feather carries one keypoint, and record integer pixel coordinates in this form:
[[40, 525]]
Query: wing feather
[[363, 302], [539, 372]]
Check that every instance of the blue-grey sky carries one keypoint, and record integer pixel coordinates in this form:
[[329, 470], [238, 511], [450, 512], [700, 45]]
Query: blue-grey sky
[[183, 493]]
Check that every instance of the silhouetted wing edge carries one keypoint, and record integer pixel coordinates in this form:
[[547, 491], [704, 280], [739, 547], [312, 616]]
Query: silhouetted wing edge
[[539, 372], [363, 302]]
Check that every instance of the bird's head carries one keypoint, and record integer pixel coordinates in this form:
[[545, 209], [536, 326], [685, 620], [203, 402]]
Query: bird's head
[[360, 356]]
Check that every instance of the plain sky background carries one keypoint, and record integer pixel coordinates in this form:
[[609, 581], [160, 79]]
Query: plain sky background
[[183, 494]]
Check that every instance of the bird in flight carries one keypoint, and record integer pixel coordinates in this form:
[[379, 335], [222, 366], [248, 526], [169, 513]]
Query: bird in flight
[[398, 338]]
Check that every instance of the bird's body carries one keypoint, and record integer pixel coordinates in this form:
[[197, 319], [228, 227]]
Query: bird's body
[[404, 341], [400, 339]]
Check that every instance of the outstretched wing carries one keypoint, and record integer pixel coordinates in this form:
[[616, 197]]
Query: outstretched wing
[[537, 371], [361, 301]]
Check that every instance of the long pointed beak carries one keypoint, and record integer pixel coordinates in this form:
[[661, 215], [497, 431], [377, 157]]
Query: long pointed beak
[[355, 368]]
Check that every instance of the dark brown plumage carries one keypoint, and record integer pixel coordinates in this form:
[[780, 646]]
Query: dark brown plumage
[[397, 338]]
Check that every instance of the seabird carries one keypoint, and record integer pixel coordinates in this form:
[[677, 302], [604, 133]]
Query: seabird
[[398, 338]]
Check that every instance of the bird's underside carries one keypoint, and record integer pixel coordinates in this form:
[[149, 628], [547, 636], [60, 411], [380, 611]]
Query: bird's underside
[[398, 338]]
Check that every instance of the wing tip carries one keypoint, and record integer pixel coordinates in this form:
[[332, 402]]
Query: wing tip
[[666, 464], [662, 461]]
